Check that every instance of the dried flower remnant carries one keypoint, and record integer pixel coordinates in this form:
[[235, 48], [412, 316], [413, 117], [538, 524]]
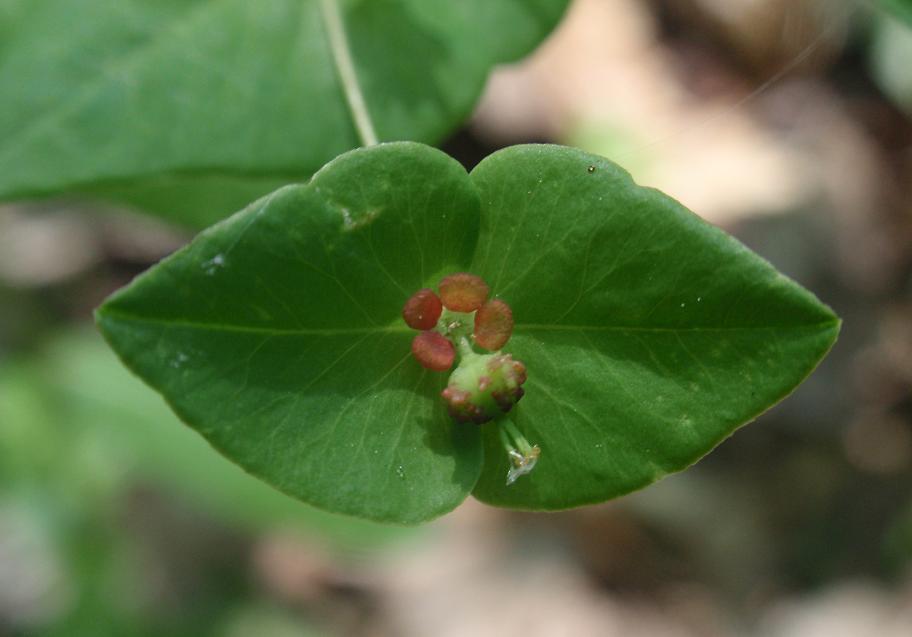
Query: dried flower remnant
[[522, 463]]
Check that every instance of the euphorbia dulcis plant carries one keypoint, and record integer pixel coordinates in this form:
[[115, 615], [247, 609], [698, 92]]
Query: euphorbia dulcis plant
[[362, 341]]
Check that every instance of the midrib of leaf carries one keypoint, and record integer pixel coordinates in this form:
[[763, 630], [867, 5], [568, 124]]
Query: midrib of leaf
[[544, 327], [340, 52], [181, 22], [252, 329], [400, 329]]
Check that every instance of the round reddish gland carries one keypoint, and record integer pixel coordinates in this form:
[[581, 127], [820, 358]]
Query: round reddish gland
[[493, 324], [422, 310], [433, 351], [463, 292]]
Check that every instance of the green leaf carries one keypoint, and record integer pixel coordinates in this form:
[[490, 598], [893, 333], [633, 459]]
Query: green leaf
[[116, 96], [902, 9], [277, 334], [890, 56], [648, 334], [196, 200]]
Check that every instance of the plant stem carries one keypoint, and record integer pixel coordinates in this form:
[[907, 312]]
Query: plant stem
[[505, 439], [518, 439], [465, 348], [345, 67]]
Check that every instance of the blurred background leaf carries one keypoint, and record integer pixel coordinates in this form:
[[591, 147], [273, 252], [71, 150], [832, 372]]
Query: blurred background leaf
[[193, 109], [95, 467], [900, 8], [76, 409], [890, 54]]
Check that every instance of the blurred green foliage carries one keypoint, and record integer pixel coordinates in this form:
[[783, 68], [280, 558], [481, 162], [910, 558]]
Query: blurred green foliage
[[891, 51], [902, 9], [191, 109], [80, 440]]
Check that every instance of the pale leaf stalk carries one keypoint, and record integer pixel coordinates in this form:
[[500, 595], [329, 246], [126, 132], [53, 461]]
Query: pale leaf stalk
[[345, 67]]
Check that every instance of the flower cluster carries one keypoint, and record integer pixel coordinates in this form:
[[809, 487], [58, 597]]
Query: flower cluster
[[483, 385]]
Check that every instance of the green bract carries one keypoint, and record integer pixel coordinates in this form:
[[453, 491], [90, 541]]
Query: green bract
[[648, 335], [193, 108]]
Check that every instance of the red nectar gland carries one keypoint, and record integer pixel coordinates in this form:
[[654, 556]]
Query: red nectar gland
[[493, 325], [463, 292], [422, 310], [433, 351]]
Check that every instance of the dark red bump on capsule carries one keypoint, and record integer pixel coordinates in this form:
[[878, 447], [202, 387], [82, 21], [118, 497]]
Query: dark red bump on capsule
[[463, 292], [433, 351], [493, 324], [519, 370], [422, 310], [461, 408]]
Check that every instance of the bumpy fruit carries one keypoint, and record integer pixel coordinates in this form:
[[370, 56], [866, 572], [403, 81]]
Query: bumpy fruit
[[483, 387]]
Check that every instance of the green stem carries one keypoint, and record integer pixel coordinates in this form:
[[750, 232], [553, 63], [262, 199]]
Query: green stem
[[504, 438], [518, 439], [345, 67], [465, 348]]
